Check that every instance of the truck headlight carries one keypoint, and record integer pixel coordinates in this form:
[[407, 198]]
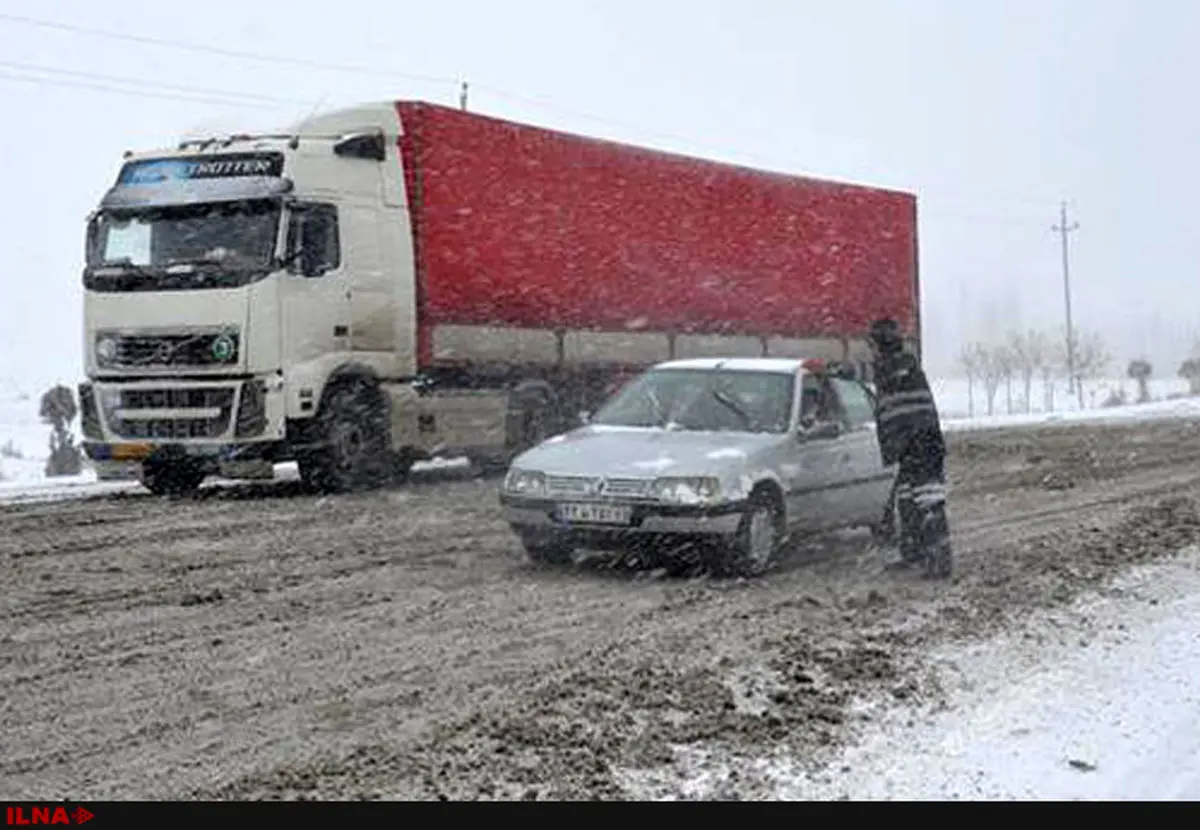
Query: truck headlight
[[692, 490], [108, 400], [106, 350], [525, 482]]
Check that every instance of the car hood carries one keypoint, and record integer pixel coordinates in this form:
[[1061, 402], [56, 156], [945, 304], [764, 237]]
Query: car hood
[[639, 452]]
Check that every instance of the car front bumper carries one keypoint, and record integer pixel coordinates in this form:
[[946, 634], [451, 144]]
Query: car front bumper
[[649, 519]]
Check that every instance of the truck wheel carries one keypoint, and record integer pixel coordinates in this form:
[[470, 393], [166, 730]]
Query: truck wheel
[[531, 417], [759, 537], [546, 549], [172, 479], [355, 453]]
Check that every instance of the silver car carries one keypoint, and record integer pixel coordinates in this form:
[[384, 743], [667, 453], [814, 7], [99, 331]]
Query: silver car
[[743, 452]]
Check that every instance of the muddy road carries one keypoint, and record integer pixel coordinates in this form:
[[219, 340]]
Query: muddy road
[[259, 643]]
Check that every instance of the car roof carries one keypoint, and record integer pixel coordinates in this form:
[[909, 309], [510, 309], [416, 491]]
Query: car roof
[[788, 365]]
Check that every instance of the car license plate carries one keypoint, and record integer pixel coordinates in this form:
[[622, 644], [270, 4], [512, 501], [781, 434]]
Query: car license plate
[[603, 514]]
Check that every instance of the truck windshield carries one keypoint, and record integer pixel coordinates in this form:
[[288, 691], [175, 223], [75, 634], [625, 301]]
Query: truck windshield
[[223, 237], [703, 399]]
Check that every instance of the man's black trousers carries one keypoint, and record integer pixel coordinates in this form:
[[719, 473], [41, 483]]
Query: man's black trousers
[[921, 499]]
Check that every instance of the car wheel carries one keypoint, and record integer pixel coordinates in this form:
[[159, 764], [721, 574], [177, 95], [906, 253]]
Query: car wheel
[[759, 536]]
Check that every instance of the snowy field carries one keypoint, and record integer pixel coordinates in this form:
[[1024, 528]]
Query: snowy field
[[1065, 721], [24, 439]]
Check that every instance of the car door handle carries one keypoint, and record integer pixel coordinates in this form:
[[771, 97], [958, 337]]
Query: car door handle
[[845, 459]]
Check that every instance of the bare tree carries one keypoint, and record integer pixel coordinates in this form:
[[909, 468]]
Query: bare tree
[[1092, 358], [1189, 370], [990, 372], [58, 409], [969, 359], [1006, 367], [1140, 371], [1030, 350]]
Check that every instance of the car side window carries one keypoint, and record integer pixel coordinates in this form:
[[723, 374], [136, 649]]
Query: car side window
[[810, 397], [856, 402], [818, 404]]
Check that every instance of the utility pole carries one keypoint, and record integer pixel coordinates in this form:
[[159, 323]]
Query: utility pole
[[462, 98], [1063, 229]]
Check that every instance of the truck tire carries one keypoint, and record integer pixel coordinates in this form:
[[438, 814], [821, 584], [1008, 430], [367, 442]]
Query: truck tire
[[355, 442], [759, 536], [532, 417], [547, 549], [174, 478]]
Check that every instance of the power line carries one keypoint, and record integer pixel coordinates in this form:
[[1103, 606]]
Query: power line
[[371, 71], [195, 99], [93, 76], [226, 98], [216, 50], [292, 61]]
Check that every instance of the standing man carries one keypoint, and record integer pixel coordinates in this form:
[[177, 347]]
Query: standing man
[[910, 434]]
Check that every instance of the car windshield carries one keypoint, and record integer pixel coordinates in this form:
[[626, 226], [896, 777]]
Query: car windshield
[[232, 234], [703, 399]]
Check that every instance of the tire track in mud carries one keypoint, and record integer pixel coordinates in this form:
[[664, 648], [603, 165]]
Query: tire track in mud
[[508, 754], [395, 644]]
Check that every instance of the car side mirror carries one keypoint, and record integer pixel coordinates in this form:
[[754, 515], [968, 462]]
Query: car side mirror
[[822, 431]]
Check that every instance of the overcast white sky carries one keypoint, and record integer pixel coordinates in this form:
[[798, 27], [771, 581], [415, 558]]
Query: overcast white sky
[[990, 111]]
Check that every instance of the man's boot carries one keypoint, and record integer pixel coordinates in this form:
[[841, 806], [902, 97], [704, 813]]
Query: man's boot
[[911, 551], [909, 554], [938, 555]]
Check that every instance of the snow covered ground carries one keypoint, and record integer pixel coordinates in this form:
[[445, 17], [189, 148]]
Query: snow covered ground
[[1110, 709], [24, 439]]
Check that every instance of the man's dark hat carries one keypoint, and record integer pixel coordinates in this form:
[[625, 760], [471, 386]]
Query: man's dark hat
[[886, 334]]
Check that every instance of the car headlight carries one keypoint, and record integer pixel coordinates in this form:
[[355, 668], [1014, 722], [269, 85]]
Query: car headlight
[[106, 349], [525, 482], [693, 490]]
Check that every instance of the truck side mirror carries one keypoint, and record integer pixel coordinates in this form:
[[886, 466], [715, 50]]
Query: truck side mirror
[[93, 238]]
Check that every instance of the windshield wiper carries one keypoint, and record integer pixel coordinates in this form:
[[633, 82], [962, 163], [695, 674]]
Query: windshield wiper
[[660, 417], [733, 406], [119, 270]]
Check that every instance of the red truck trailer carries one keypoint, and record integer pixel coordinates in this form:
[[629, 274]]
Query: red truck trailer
[[525, 228], [467, 282]]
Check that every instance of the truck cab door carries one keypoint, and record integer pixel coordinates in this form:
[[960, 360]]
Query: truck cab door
[[315, 291]]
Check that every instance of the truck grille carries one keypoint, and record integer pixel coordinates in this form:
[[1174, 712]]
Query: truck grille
[[628, 488], [138, 419], [135, 351]]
